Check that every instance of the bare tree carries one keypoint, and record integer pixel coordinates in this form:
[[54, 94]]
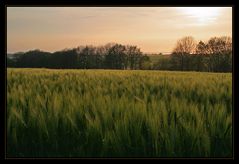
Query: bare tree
[[220, 45], [184, 47], [220, 49], [202, 60], [202, 48]]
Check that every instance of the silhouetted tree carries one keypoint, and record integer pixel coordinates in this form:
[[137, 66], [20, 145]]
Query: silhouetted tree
[[214, 55], [133, 54], [220, 50], [116, 57], [184, 47]]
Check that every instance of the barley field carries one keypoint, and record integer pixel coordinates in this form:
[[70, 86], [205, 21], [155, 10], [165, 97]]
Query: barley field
[[112, 113]]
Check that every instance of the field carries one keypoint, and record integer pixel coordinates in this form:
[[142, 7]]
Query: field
[[155, 58], [109, 113]]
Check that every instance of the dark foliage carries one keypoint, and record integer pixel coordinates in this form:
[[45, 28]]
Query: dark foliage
[[213, 56]]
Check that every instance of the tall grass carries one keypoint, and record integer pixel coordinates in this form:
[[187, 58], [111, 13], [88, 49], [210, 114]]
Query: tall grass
[[106, 113]]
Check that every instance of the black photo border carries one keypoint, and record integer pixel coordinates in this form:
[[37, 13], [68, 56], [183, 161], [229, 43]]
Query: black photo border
[[119, 3]]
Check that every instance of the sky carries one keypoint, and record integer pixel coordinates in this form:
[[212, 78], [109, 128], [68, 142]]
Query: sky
[[152, 29]]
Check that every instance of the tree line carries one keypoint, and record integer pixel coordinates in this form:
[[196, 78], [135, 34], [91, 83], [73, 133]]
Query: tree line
[[215, 55], [109, 56]]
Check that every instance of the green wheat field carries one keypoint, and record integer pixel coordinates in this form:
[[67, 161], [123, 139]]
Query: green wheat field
[[110, 113]]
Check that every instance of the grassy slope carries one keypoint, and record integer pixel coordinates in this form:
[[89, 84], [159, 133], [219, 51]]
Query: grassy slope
[[155, 58]]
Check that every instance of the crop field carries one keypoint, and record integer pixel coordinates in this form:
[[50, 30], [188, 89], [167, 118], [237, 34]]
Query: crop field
[[115, 113]]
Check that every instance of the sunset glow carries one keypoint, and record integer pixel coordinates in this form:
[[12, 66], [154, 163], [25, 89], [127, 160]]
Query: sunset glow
[[202, 15], [153, 29]]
